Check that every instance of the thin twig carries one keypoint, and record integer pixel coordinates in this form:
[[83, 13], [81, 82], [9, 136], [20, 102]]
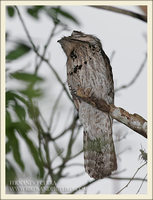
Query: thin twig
[[43, 119], [46, 47], [41, 186], [59, 151], [74, 165], [120, 137], [135, 76], [41, 56], [69, 165], [126, 178], [118, 172], [76, 175], [84, 186], [49, 165], [128, 148], [54, 109], [70, 127], [123, 11], [25, 28], [131, 179], [77, 154], [58, 78], [144, 179], [69, 151]]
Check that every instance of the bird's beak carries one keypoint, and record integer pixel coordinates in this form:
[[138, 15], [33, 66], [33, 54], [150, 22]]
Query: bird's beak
[[59, 40], [67, 44], [62, 40]]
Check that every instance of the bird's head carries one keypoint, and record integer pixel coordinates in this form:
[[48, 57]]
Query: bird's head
[[77, 38]]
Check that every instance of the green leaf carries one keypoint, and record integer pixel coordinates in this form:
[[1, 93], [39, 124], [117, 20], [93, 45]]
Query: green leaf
[[14, 145], [16, 152], [34, 11], [9, 97], [20, 50], [21, 126], [53, 14], [20, 98], [8, 118], [33, 110], [10, 11], [20, 111], [12, 96], [35, 154], [12, 141], [66, 14], [27, 77], [10, 173], [8, 147], [143, 155], [6, 35], [32, 93], [33, 150], [8, 125]]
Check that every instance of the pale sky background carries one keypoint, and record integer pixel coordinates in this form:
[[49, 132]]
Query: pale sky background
[[122, 34]]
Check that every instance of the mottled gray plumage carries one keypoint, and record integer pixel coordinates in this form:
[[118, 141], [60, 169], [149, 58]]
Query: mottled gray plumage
[[89, 68]]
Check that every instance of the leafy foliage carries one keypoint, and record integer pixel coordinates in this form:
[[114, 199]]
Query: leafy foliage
[[20, 50], [23, 109], [10, 11], [12, 143], [143, 155], [56, 12], [10, 172], [27, 77], [22, 128], [23, 117], [22, 113], [34, 11], [65, 14]]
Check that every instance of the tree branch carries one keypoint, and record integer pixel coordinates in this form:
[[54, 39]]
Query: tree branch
[[46, 47], [128, 179], [143, 180], [25, 29], [42, 56], [84, 186], [133, 121], [123, 11], [131, 178], [135, 76]]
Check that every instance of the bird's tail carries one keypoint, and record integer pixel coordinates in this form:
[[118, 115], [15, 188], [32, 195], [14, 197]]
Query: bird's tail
[[99, 156]]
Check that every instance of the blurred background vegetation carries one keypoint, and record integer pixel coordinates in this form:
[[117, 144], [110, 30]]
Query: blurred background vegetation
[[26, 124]]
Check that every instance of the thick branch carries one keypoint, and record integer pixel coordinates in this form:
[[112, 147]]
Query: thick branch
[[133, 121], [123, 11]]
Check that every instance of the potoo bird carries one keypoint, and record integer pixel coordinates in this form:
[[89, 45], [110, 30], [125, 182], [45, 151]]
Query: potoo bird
[[88, 68]]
